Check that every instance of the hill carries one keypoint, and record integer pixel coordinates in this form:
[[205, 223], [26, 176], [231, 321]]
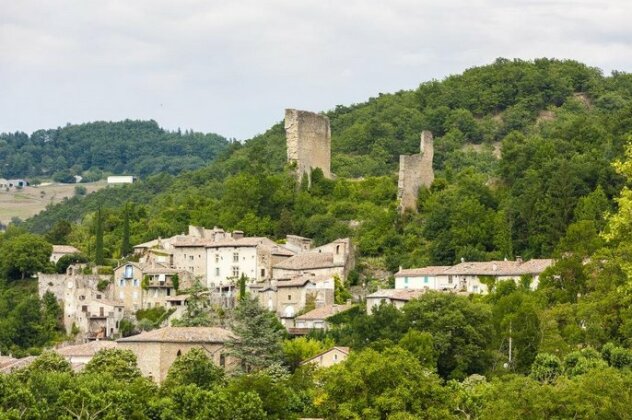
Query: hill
[[138, 148], [29, 201], [560, 125]]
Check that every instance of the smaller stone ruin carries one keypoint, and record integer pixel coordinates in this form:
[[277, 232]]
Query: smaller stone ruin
[[415, 171], [308, 137]]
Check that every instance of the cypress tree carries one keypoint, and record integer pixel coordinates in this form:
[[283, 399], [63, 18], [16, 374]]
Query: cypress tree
[[98, 253], [125, 245]]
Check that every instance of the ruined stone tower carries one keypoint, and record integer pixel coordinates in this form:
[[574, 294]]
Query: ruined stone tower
[[415, 171], [308, 138]]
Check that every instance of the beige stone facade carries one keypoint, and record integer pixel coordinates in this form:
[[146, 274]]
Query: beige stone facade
[[157, 350], [308, 141], [329, 358], [415, 171], [334, 258]]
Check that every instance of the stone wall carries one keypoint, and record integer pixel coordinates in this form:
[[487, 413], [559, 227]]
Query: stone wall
[[308, 138], [415, 171]]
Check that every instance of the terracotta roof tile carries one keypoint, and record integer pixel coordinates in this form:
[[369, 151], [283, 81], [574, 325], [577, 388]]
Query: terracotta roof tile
[[65, 249], [324, 312], [308, 260], [181, 335], [424, 271], [397, 294], [86, 349]]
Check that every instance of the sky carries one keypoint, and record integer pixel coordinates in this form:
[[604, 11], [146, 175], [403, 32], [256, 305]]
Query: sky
[[232, 67]]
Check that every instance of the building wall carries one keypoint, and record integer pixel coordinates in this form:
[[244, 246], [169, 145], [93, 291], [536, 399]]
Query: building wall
[[308, 138], [330, 358], [127, 287], [221, 262], [416, 282], [155, 359], [191, 259]]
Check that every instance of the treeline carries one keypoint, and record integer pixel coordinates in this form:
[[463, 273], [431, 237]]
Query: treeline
[[139, 148]]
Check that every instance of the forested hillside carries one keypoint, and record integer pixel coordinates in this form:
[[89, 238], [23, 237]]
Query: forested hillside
[[137, 148], [558, 126], [532, 159]]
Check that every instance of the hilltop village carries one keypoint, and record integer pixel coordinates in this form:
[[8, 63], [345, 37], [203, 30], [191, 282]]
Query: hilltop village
[[302, 284]]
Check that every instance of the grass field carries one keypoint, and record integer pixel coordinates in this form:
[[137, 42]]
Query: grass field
[[29, 201]]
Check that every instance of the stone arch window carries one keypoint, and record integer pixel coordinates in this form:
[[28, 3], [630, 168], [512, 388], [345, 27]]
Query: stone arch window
[[129, 271], [337, 249]]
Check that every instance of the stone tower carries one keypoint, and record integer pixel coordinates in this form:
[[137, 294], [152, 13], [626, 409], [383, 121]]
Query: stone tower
[[415, 171], [308, 138]]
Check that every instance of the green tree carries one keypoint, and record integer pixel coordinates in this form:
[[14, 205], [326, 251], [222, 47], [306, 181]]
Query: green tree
[[121, 364], [198, 312], [258, 335], [195, 367], [98, 254], [126, 247], [24, 255]]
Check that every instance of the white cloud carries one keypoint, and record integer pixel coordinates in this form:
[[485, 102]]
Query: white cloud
[[232, 66]]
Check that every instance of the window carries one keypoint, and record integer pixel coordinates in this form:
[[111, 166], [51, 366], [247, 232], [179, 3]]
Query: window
[[263, 272], [289, 297], [129, 272], [449, 279], [235, 256], [217, 271], [84, 308], [190, 257], [135, 282], [406, 280], [475, 288], [235, 271], [121, 282], [98, 296], [335, 357], [222, 360], [217, 258], [426, 279]]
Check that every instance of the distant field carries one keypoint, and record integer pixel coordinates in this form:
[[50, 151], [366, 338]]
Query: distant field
[[31, 200]]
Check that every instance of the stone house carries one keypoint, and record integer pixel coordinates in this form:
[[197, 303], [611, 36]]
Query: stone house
[[317, 318], [254, 257], [419, 278], [335, 258], [329, 357], [81, 354], [158, 284], [466, 276], [99, 318], [396, 297], [128, 290], [77, 293], [288, 297], [61, 250], [157, 350]]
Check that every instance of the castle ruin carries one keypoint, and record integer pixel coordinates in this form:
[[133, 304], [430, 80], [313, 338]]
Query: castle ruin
[[415, 171], [308, 138]]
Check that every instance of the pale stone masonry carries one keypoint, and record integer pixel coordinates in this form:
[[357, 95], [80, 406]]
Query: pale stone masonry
[[415, 171], [157, 350], [329, 357], [308, 142]]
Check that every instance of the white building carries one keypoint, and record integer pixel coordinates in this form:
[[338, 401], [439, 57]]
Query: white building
[[61, 250], [467, 276], [121, 179], [228, 259], [396, 297]]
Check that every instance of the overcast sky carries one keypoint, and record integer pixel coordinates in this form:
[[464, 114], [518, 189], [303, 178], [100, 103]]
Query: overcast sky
[[231, 67]]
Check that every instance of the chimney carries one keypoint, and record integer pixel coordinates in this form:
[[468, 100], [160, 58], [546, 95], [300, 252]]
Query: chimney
[[518, 259], [238, 234], [462, 259]]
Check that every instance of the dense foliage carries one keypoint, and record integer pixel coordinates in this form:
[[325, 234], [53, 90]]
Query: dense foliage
[[137, 148], [560, 188]]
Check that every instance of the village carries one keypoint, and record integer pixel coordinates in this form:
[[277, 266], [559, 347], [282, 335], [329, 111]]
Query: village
[[292, 278]]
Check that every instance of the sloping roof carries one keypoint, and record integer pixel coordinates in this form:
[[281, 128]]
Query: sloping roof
[[177, 298], [499, 268], [403, 295], [308, 260], [65, 249], [344, 350], [6, 360], [86, 349], [432, 270], [17, 364], [181, 335], [261, 241], [302, 280], [158, 269], [324, 312], [192, 241]]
